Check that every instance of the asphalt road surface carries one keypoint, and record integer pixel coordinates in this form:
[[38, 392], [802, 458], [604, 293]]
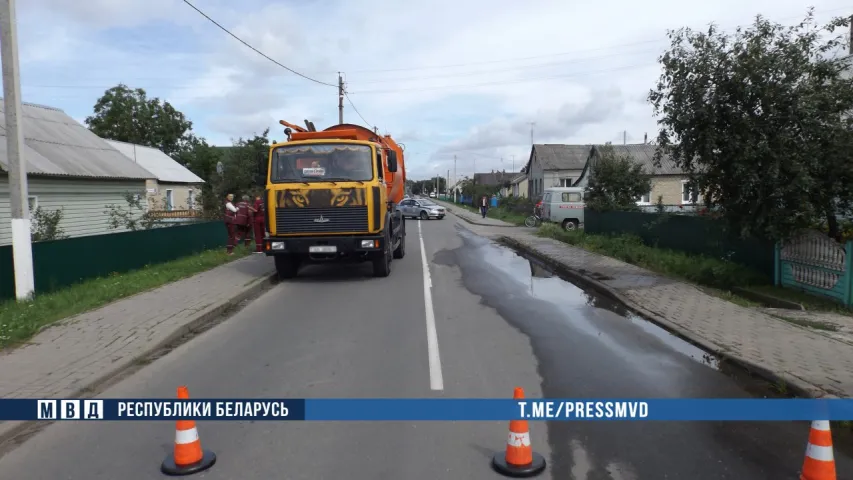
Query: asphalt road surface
[[498, 322]]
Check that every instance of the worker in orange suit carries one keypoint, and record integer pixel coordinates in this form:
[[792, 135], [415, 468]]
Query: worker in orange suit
[[230, 222], [244, 220], [258, 211]]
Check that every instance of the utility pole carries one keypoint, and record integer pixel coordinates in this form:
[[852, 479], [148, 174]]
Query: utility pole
[[22, 251], [340, 99], [532, 124], [455, 179], [513, 164], [625, 137]]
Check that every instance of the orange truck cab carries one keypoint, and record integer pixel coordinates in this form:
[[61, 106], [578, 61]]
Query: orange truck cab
[[331, 196]]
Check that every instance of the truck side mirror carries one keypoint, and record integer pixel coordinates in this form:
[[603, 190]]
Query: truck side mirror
[[392, 161]]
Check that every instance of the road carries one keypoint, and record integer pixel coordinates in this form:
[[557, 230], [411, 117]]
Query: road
[[499, 322]]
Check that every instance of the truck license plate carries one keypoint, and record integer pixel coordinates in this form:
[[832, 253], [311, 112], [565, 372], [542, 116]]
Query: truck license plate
[[323, 249]]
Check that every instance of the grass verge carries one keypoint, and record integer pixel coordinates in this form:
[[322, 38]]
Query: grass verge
[[21, 321], [701, 270], [809, 302]]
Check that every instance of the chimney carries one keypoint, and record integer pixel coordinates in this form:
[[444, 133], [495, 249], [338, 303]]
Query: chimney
[[645, 138]]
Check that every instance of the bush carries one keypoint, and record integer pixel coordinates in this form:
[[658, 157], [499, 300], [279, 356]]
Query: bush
[[697, 269]]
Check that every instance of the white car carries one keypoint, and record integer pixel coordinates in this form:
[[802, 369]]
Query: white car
[[421, 208]]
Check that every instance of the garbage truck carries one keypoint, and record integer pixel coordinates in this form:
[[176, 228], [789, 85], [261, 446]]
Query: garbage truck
[[331, 196]]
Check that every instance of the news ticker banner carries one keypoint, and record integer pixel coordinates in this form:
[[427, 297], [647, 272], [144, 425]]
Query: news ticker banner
[[426, 409]]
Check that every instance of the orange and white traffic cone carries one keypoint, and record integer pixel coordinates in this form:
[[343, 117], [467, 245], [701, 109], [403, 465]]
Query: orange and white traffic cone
[[188, 457], [519, 460], [820, 462]]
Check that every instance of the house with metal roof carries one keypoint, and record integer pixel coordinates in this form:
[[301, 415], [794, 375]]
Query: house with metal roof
[[669, 181], [174, 188], [554, 165], [68, 168]]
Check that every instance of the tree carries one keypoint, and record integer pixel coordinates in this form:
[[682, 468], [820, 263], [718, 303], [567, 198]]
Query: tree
[[758, 119], [128, 115], [616, 182], [240, 165], [134, 215], [45, 225]]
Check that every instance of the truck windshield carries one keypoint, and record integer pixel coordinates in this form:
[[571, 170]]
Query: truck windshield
[[321, 162]]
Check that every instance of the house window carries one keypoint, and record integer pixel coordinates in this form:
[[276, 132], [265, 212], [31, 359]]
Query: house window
[[169, 200], [190, 199], [645, 199], [33, 203], [687, 192], [565, 182]]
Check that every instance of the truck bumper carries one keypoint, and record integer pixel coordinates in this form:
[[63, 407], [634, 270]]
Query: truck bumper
[[353, 247]]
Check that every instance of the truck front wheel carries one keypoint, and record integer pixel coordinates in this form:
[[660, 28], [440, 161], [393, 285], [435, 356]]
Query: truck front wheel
[[382, 262], [400, 251], [287, 266]]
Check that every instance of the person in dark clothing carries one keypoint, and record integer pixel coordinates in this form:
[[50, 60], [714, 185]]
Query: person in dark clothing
[[484, 206], [257, 211], [243, 220]]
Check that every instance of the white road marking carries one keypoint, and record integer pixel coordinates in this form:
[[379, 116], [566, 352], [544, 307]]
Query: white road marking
[[436, 381]]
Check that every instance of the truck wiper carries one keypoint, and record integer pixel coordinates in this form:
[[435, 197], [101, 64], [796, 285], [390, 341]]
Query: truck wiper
[[341, 179]]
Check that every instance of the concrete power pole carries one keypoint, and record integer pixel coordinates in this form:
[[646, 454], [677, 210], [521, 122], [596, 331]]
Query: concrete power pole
[[455, 179], [340, 99], [22, 251]]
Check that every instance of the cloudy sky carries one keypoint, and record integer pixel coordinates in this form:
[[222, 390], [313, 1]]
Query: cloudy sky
[[446, 77]]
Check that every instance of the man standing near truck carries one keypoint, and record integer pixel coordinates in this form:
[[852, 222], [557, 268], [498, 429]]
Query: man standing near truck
[[244, 221], [259, 223], [230, 221]]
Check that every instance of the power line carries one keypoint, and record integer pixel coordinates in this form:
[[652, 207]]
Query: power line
[[255, 49], [356, 110]]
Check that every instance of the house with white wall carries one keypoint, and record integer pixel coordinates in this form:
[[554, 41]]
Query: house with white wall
[[68, 168], [554, 165], [174, 187]]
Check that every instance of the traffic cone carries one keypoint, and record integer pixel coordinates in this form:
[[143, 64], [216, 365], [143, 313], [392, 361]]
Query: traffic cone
[[188, 456], [519, 460], [820, 462]]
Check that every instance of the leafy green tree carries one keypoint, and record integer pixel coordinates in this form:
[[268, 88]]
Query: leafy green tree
[[128, 115], [240, 165], [615, 182], [759, 119]]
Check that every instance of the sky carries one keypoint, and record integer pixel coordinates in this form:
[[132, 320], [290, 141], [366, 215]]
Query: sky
[[464, 85]]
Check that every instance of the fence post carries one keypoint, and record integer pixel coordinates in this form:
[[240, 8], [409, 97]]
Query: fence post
[[777, 265], [848, 275]]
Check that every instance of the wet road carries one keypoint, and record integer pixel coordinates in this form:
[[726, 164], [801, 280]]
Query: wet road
[[499, 321]]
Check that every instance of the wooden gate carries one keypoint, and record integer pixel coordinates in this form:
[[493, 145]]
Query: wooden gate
[[817, 264]]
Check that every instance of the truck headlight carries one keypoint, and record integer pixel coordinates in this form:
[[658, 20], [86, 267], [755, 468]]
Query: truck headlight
[[277, 245], [370, 244]]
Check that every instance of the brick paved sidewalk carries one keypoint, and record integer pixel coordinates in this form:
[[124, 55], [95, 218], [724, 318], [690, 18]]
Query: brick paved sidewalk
[[73, 354], [807, 361]]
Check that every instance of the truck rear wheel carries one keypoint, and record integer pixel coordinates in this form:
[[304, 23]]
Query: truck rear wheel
[[400, 251], [287, 266], [382, 263]]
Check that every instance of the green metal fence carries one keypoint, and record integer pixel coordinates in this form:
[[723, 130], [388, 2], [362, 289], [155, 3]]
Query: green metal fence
[[817, 264], [61, 263], [685, 233]]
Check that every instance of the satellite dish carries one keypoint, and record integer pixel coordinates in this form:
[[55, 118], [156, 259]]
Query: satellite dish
[[220, 168]]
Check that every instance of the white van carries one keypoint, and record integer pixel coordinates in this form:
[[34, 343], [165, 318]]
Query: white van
[[565, 206]]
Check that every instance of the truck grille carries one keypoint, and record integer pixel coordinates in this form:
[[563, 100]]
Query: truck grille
[[302, 220]]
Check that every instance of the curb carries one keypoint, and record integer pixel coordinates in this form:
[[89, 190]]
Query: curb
[[796, 385], [181, 335]]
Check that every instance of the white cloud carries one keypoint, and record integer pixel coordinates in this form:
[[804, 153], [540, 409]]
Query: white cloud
[[580, 71]]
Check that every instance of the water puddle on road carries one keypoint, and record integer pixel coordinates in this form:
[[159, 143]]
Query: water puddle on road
[[546, 285]]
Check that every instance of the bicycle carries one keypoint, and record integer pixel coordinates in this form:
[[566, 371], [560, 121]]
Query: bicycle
[[534, 220]]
